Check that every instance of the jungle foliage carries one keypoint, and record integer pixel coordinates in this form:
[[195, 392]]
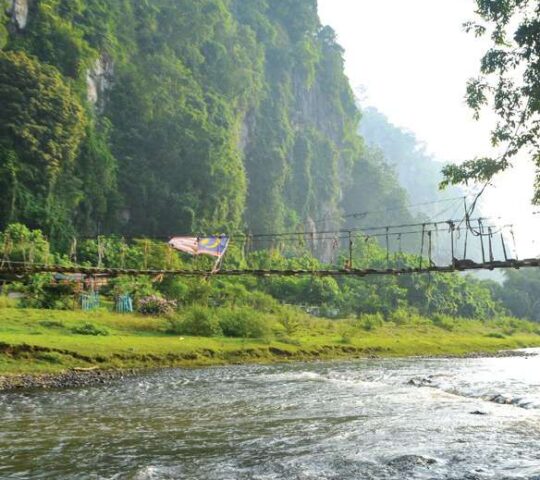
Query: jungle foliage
[[509, 83], [519, 293], [393, 298], [170, 116], [417, 170]]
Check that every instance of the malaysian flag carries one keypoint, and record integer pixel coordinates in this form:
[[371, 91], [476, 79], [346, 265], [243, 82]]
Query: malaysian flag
[[213, 246]]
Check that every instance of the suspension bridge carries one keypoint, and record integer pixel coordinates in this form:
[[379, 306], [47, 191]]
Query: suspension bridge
[[20, 269], [490, 243]]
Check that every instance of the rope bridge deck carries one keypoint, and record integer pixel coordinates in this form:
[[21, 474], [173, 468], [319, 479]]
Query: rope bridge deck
[[20, 269]]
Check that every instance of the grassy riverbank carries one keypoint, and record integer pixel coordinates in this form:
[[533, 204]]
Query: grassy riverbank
[[48, 341]]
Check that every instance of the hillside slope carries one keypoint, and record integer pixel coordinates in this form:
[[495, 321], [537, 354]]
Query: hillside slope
[[170, 116]]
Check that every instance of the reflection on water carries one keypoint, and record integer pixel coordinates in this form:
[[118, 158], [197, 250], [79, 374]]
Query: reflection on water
[[373, 419]]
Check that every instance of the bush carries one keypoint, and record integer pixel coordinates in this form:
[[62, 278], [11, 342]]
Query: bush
[[408, 316], [42, 291], [6, 302], [176, 288], [444, 322], [154, 305], [198, 321], [89, 329], [371, 321], [400, 317], [496, 335], [51, 324], [245, 323], [262, 302], [290, 322], [137, 287], [347, 334], [50, 357]]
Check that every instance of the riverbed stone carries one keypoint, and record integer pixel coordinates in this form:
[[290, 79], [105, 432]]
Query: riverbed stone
[[408, 462]]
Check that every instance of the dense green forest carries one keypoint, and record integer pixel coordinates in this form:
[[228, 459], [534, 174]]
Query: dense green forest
[[177, 116], [388, 297], [151, 118]]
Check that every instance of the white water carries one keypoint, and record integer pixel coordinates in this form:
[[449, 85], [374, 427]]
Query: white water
[[358, 420]]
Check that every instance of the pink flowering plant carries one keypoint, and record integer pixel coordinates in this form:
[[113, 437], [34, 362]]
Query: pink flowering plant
[[154, 305]]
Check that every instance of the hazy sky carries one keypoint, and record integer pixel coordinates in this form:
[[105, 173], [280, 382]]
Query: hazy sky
[[412, 60]]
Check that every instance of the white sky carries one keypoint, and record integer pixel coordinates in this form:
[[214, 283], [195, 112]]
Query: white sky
[[413, 59]]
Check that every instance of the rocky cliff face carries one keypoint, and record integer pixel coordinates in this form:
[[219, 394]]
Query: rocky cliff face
[[302, 143], [214, 115], [18, 11], [99, 80]]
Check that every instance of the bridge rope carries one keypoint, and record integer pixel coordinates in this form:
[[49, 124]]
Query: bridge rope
[[22, 268], [391, 235]]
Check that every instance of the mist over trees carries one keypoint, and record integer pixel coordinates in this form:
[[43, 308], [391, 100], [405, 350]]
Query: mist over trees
[[418, 172], [180, 116]]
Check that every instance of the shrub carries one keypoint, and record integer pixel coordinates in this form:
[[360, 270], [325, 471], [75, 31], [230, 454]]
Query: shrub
[[90, 329], [43, 292], [154, 305], [136, 287], [262, 302], [408, 316], [496, 335], [175, 288], [6, 302], [198, 321], [347, 334], [245, 323], [51, 324], [370, 321], [444, 322], [290, 322], [50, 357], [400, 317]]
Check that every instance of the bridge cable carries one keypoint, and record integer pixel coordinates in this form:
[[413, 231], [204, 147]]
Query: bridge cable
[[504, 248], [123, 247], [481, 237], [452, 228], [73, 250], [351, 245], [430, 256], [101, 251], [422, 245], [491, 256], [6, 250], [514, 241], [399, 254], [387, 247]]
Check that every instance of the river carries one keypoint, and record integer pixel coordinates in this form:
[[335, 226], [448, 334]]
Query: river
[[374, 419]]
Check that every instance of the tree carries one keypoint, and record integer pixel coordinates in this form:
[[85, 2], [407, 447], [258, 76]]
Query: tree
[[510, 82], [3, 28], [520, 294], [41, 127]]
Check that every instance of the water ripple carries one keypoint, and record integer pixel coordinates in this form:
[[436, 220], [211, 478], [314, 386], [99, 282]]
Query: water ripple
[[353, 420]]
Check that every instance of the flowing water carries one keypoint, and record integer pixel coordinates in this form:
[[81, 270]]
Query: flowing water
[[373, 419]]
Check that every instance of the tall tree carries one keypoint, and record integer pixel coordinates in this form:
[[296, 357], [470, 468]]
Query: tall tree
[[510, 83], [42, 125]]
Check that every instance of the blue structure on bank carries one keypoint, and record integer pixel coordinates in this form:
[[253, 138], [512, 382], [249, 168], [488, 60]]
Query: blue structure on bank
[[90, 301], [124, 304]]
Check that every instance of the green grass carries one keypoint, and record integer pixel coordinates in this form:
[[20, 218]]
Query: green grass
[[45, 341]]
